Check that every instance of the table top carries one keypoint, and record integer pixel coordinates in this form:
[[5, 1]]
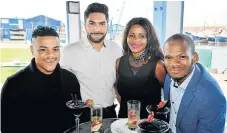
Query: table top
[[85, 127]]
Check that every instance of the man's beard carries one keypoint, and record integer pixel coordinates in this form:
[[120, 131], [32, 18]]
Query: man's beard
[[186, 75], [94, 40]]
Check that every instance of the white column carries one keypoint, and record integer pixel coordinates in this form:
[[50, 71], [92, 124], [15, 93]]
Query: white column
[[73, 21], [168, 18]]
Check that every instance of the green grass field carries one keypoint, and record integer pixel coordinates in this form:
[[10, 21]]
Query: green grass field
[[12, 54]]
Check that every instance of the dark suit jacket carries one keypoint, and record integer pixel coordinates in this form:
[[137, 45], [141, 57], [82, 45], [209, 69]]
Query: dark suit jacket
[[23, 105], [203, 105]]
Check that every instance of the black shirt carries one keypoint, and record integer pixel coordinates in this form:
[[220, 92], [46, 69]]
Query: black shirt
[[34, 102], [143, 86]]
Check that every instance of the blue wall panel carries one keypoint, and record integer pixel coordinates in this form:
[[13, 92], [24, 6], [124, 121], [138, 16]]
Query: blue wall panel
[[159, 19], [6, 33], [13, 21], [29, 34]]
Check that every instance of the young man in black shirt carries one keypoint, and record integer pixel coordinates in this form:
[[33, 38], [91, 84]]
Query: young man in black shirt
[[34, 99]]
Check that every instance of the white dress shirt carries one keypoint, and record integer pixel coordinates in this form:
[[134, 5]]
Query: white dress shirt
[[176, 94], [96, 71]]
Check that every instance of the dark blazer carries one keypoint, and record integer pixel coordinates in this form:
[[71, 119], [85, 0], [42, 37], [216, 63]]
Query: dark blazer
[[203, 105], [23, 105]]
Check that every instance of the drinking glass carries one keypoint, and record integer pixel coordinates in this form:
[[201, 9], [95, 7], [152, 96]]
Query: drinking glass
[[133, 113], [96, 118], [77, 108]]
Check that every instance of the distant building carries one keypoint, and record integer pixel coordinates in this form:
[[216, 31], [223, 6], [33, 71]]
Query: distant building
[[21, 29], [115, 30]]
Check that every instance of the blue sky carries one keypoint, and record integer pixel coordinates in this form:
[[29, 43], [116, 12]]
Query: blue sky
[[197, 12]]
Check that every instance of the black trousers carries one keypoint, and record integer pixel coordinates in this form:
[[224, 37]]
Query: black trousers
[[108, 112]]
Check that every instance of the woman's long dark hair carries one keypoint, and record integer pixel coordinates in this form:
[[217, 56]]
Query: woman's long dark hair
[[153, 46]]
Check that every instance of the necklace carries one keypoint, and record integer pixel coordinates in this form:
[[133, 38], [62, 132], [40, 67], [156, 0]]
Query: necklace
[[138, 58], [137, 62]]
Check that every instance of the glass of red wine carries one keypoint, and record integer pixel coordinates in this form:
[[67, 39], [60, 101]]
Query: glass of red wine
[[77, 107]]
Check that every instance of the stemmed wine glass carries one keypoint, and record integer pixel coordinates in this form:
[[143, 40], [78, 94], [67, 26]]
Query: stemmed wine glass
[[159, 113], [77, 108], [157, 124]]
